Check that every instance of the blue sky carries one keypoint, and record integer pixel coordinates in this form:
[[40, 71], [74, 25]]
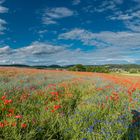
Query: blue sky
[[45, 32]]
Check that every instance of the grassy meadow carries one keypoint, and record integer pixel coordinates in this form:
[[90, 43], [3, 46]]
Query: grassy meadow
[[62, 105]]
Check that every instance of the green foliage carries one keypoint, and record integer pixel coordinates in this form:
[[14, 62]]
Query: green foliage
[[79, 67]]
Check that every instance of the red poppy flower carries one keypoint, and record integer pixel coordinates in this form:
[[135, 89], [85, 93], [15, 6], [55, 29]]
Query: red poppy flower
[[18, 117], [3, 97], [52, 111], [54, 93], [14, 124], [9, 115], [23, 125], [7, 102], [11, 111], [56, 107], [1, 125]]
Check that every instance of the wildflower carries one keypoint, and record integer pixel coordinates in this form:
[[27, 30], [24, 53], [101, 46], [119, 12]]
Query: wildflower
[[1, 125], [106, 98], [130, 99], [52, 110], [133, 89], [56, 107], [23, 125], [90, 129], [84, 138], [129, 93], [111, 98], [115, 93], [18, 117], [3, 109], [14, 124], [3, 97], [54, 93], [99, 89], [6, 123], [11, 111], [6, 102], [9, 115]]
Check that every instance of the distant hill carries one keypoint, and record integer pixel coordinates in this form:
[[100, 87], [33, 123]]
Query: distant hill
[[132, 68]]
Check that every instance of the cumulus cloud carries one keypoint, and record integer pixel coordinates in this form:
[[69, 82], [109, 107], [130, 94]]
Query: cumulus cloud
[[39, 48], [5, 50], [105, 38], [3, 9], [36, 53], [2, 22], [85, 36], [111, 46], [51, 15], [41, 53]]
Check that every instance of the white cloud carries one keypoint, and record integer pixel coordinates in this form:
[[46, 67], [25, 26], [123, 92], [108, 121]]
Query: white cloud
[[59, 12], [111, 46], [76, 2], [42, 31], [130, 20], [41, 53], [39, 48], [108, 5], [3, 9], [106, 38], [133, 25], [47, 20], [2, 26], [103, 6], [2, 22], [52, 14], [5, 50], [130, 17], [36, 53], [86, 37], [127, 15]]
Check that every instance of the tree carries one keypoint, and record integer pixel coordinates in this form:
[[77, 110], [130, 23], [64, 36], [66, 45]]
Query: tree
[[80, 67]]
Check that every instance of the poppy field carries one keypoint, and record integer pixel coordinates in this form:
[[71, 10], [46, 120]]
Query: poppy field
[[62, 105]]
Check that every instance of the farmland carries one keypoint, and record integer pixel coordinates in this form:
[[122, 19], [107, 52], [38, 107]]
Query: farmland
[[62, 105]]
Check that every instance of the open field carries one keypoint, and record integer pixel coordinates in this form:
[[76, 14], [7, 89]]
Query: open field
[[131, 74], [62, 105]]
